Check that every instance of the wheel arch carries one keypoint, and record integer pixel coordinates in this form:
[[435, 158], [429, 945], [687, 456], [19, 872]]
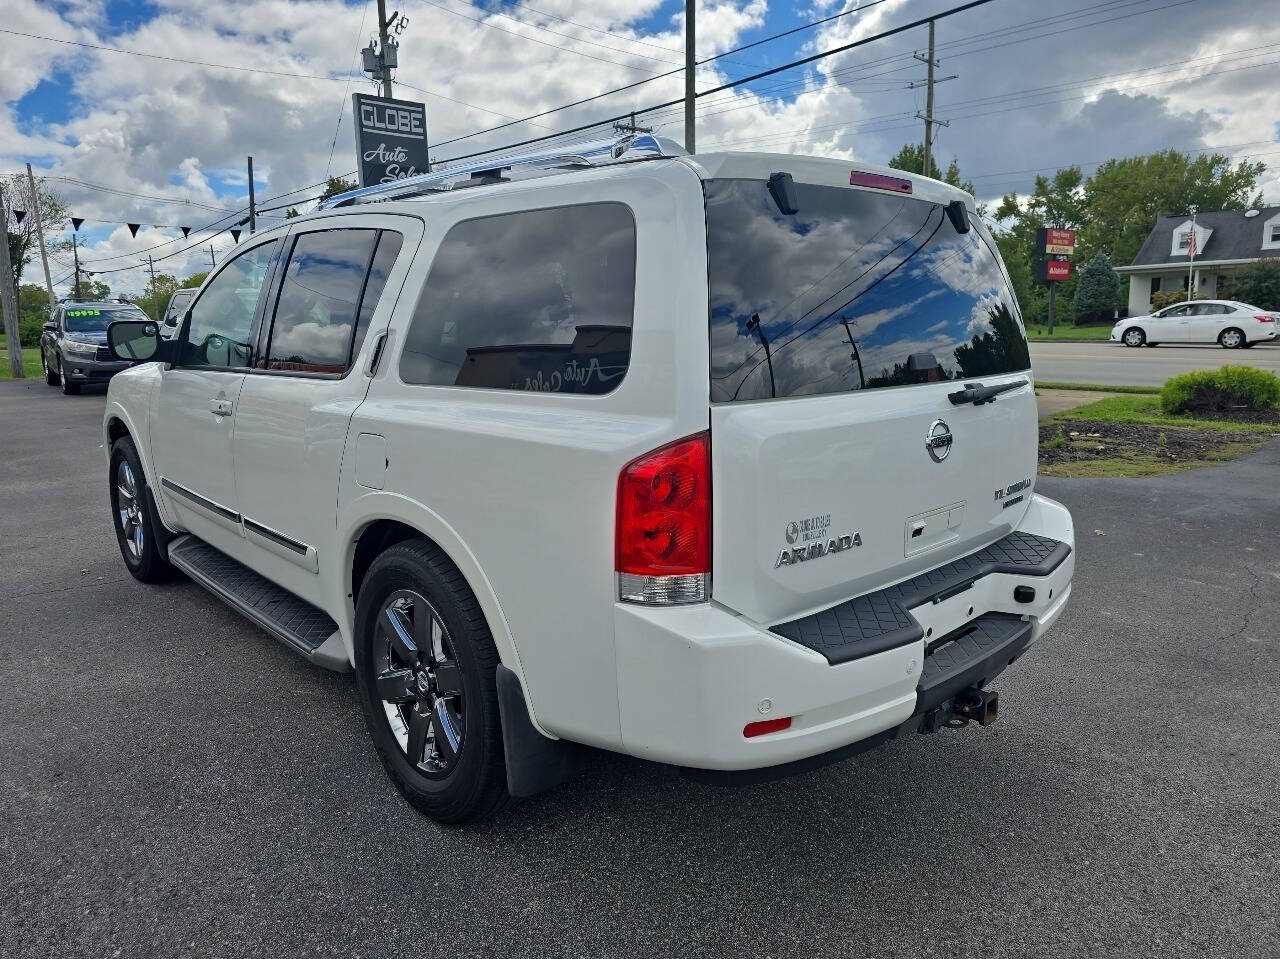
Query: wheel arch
[[378, 521]]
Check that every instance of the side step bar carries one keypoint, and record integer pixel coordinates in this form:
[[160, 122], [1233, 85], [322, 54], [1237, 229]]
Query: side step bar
[[295, 622]]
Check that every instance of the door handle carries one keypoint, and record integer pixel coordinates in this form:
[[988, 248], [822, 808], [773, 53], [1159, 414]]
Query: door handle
[[220, 407]]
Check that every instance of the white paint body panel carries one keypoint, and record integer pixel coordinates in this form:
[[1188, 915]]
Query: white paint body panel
[[518, 489], [1168, 327]]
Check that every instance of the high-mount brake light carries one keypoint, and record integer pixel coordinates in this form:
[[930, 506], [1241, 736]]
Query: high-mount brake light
[[663, 532], [878, 181]]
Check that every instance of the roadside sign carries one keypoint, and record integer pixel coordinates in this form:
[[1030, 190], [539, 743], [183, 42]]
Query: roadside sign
[[391, 138], [1055, 241], [1049, 271]]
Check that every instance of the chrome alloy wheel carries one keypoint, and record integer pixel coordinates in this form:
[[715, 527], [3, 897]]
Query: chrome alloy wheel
[[420, 683], [129, 509]]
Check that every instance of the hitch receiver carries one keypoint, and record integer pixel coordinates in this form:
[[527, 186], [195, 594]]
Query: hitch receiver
[[969, 705]]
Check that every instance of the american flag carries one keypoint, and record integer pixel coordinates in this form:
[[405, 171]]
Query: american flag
[[1191, 243]]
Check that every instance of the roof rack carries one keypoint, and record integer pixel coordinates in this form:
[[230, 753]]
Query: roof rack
[[643, 146]]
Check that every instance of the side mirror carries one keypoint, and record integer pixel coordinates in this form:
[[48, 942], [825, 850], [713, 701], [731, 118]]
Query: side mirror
[[51, 326], [922, 363], [137, 341], [171, 319]]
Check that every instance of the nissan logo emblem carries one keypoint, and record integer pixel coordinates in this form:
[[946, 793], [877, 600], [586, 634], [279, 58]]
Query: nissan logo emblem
[[938, 440]]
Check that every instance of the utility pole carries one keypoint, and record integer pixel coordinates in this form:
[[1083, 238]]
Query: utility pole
[[212, 260], [927, 116], [383, 44], [690, 68], [857, 357], [253, 213], [8, 305], [380, 61], [44, 256], [152, 267], [75, 252], [630, 127]]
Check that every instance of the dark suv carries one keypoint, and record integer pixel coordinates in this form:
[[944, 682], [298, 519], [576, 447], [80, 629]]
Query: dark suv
[[73, 346]]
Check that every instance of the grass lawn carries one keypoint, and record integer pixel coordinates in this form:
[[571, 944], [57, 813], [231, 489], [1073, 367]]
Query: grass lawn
[[1068, 333], [30, 361], [1129, 435], [1145, 409]]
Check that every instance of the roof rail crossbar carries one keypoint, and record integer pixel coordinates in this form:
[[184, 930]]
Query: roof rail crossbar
[[642, 146]]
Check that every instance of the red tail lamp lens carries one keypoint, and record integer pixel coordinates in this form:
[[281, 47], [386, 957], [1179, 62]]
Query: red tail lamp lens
[[766, 726], [664, 511], [1263, 318]]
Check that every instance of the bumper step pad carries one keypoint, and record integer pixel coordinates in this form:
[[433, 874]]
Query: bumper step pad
[[879, 621], [295, 622]]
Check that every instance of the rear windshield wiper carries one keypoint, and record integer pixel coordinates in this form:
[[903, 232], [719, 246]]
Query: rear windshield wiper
[[977, 394]]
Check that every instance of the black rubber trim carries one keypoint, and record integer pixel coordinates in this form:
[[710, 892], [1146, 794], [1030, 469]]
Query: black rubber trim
[[881, 621], [535, 763], [972, 655], [268, 533], [199, 500]]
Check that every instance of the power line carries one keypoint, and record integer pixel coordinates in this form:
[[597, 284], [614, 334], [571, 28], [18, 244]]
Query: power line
[[660, 76], [227, 66], [894, 31], [523, 36]]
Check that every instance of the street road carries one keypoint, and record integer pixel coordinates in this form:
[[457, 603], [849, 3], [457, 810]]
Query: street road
[[173, 782], [1111, 363]]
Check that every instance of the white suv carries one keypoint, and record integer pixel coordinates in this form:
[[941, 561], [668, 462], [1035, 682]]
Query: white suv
[[722, 461]]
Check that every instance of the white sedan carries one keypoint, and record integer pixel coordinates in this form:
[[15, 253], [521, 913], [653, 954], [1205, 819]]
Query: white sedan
[[1229, 323]]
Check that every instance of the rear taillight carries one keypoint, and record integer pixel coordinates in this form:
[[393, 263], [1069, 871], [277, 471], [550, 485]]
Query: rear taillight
[[1263, 318], [663, 533]]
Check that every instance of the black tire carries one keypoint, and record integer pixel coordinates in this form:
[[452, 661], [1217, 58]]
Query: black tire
[[1231, 339], [472, 784], [1250, 344], [68, 388], [50, 376], [149, 561], [1133, 336], [1149, 343]]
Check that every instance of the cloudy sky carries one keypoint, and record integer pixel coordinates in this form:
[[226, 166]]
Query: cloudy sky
[[161, 138]]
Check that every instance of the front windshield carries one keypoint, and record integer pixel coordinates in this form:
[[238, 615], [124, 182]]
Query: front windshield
[[95, 319]]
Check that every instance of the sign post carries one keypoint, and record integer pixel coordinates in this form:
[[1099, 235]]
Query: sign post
[[1055, 247], [391, 139]]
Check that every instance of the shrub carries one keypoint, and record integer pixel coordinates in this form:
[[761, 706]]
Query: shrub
[[1167, 298], [1258, 285], [1230, 387]]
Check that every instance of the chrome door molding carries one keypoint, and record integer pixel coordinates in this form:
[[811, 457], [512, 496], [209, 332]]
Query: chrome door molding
[[203, 502]]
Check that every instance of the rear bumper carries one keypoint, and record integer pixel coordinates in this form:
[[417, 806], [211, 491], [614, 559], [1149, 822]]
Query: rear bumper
[[691, 678]]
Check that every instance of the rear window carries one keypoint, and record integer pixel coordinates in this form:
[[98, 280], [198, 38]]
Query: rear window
[[858, 290], [538, 300]]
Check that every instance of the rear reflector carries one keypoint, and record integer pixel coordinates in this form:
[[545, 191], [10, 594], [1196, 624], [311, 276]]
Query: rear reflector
[[766, 726], [662, 542], [878, 181]]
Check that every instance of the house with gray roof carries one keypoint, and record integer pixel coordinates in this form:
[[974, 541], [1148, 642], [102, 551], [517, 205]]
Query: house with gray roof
[[1226, 241]]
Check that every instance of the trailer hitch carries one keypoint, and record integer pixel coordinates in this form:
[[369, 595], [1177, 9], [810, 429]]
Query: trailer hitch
[[972, 705]]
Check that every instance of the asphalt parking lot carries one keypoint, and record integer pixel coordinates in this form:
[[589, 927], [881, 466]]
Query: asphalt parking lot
[[175, 783]]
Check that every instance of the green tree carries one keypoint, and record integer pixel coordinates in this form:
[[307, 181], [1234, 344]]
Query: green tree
[[333, 187], [1098, 290], [1258, 285], [33, 310], [911, 160], [22, 238], [1054, 201], [155, 296], [193, 281], [1124, 197], [998, 350]]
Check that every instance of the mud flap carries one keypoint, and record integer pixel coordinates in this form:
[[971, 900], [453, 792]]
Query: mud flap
[[534, 762]]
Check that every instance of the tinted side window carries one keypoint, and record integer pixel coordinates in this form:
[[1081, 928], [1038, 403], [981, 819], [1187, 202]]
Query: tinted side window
[[221, 320], [857, 290], [319, 301], [383, 260], [537, 300]]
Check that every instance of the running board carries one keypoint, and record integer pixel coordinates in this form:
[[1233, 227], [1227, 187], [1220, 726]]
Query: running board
[[295, 622]]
